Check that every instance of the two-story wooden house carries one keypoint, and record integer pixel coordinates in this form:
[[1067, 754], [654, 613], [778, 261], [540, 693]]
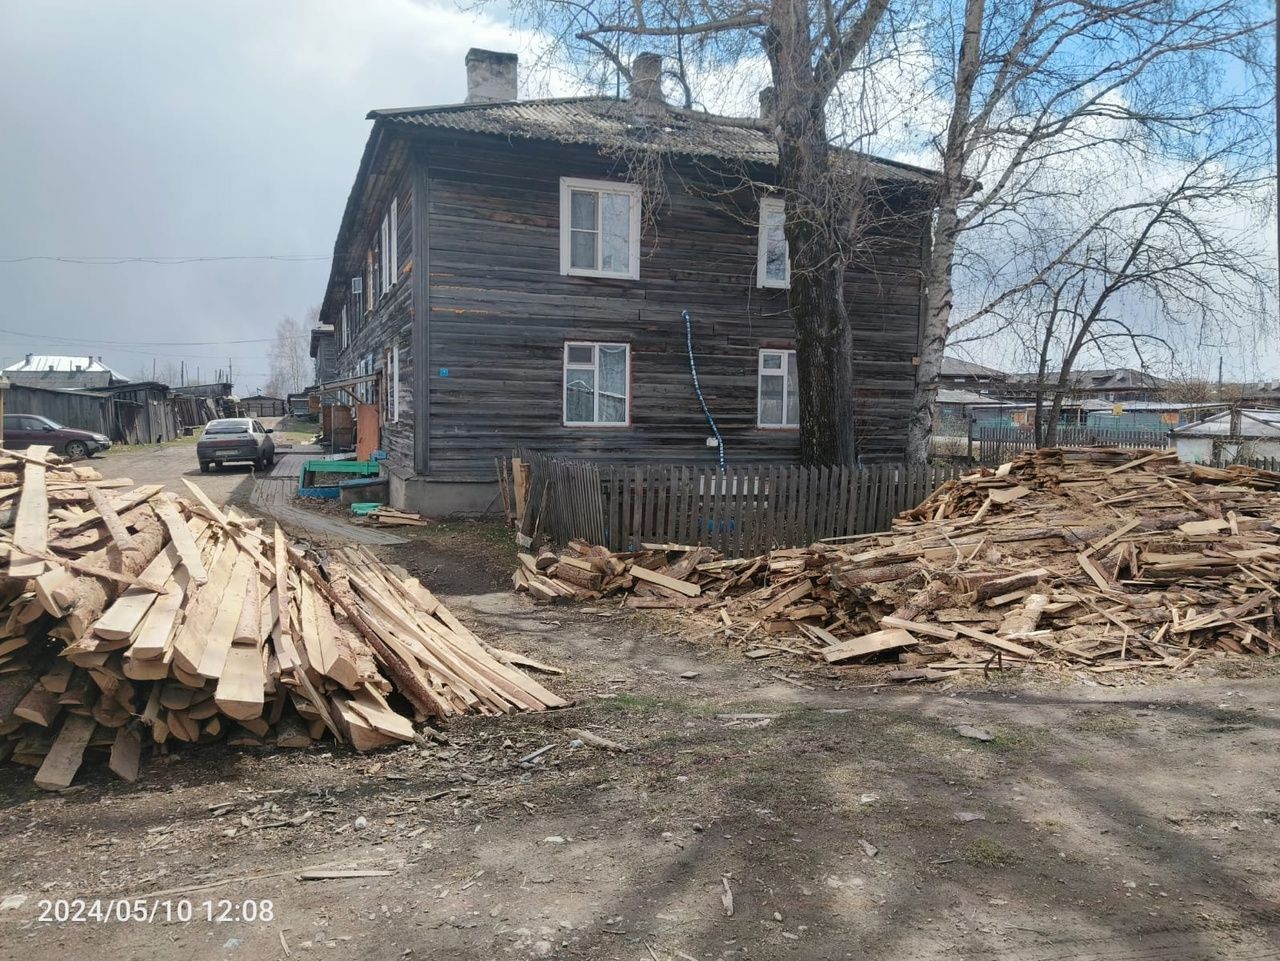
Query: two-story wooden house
[[515, 274]]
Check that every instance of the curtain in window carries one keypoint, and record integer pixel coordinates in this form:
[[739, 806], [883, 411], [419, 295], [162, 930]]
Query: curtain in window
[[793, 391], [615, 226], [612, 365]]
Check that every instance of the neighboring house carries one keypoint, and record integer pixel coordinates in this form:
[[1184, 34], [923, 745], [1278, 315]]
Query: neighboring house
[[960, 374], [1262, 394], [1232, 435], [128, 413], [324, 350], [1119, 384], [67, 373], [513, 274]]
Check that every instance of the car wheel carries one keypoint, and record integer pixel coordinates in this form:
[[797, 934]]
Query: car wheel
[[205, 467], [76, 449], [271, 460]]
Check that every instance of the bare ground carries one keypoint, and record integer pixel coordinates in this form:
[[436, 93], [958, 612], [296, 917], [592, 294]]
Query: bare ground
[[848, 821]]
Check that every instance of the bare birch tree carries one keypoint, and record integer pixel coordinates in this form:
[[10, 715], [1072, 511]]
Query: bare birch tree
[[289, 359], [1158, 269], [1033, 81]]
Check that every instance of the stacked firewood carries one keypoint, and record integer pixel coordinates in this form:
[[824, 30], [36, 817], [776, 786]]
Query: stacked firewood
[[1102, 558], [129, 616]]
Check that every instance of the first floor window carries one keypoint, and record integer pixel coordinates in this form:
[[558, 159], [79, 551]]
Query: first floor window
[[597, 383], [773, 268], [599, 228], [779, 391]]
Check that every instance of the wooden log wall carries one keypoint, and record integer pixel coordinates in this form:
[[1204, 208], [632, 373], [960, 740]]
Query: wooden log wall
[[500, 312], [389, 322]]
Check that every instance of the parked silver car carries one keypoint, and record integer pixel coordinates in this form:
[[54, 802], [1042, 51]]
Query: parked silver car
[[235, 439]]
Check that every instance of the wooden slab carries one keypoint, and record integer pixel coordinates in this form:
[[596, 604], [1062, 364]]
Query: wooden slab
[[63, 760], [126, 753], [868, 644], [662, 580], [115, 526], [180, 534], [31, 524]]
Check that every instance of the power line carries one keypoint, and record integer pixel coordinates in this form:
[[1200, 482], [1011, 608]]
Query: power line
[[163, 261], [148, 343]]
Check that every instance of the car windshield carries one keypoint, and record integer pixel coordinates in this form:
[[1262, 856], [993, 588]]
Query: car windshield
[[227, 427]]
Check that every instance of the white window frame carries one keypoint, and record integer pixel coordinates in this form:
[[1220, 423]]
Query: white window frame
[[393, 248], [369, 301], [762, 245], [384, 254], [391, 375], [565, 367], [346, 328], [761, 372], [632, 191]]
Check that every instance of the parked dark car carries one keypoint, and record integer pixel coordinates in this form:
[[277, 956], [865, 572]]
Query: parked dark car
[[235, 439], [26, 430]]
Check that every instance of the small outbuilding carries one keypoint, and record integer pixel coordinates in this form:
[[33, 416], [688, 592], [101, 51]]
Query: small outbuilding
[[1229, 437]]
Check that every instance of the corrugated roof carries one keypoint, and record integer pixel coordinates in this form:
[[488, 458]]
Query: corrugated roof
[[1253, 423], [41, 363], [606, 121], [955, 367]]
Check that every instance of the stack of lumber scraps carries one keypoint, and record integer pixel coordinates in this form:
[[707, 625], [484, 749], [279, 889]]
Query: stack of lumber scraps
[[1099, 559], [386, 516], [129, 616]]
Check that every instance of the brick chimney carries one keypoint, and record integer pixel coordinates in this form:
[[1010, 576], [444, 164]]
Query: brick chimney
[[491, 76], [646, 83], [768, 103]]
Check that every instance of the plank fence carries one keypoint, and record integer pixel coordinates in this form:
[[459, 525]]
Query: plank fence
[[993, 446], [745, 510]]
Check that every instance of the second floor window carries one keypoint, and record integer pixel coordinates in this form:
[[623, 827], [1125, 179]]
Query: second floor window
[[773, 268], [599, 228]]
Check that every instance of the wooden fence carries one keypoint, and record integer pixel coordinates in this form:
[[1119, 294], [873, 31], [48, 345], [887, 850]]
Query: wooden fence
[[996, 445], [743, 511]]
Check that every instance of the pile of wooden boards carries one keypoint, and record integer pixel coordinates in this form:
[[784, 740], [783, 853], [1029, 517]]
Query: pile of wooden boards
[[385, 516], [129, 615], [1099, 558]]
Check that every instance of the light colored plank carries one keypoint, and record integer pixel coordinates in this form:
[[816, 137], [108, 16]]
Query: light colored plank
[[126, 754], [868, 644], [115, 526], [662, 580], [63, 760], [31, 524], [240, 600], [180, 533], [990, 639]]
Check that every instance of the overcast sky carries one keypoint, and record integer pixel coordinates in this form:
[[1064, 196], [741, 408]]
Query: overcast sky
[[216, 128]]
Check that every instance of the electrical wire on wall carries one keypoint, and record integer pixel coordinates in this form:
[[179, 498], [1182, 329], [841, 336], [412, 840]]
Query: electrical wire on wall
[[693, 369]]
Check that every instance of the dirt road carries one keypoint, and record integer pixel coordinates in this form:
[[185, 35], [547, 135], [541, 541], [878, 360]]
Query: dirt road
[[763, 811]]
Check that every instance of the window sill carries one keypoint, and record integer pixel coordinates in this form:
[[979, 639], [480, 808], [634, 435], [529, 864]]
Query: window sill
[[773, 285], [794, 428], [579, 425], [599, 274]]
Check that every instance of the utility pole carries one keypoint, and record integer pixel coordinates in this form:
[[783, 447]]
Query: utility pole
[[1220, 356]]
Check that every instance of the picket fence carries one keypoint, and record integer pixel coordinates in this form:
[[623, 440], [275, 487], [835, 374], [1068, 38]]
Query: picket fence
[[742, 511], [996, 445]]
